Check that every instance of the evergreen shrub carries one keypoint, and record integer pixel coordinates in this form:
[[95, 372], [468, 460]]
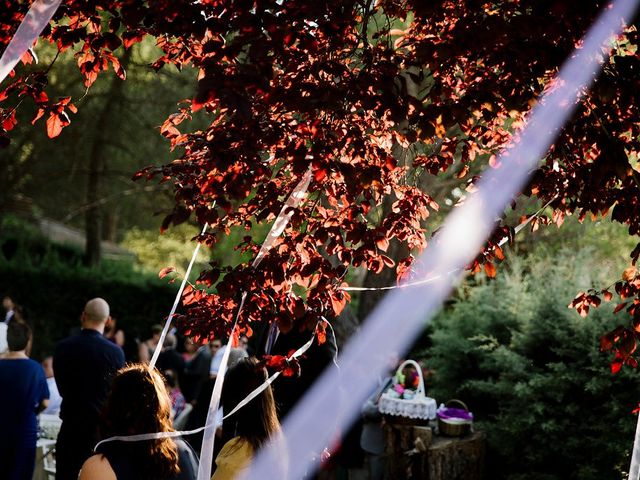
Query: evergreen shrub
[[531, 371]]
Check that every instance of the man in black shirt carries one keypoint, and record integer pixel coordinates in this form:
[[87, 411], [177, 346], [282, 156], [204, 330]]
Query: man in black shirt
[[84, 365]]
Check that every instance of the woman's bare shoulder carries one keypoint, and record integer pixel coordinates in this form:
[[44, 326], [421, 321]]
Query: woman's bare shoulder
[[97, 467]]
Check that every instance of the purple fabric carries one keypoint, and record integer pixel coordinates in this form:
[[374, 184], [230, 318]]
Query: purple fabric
[[458, 413]]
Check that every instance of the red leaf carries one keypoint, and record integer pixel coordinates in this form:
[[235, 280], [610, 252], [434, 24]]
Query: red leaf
[[388, 261], [382, 243], [54, 125], [607, 295], [616, 365], [490, 270], [338, 302], [10, 121], [320, 174], [606, 343], [620, 306], [166, 271], [629, 273], [593, 300], [321, 333]]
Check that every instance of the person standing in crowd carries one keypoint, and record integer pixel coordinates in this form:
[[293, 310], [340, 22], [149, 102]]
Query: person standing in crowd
[[55, 400], [196, 371], [281, 338], [372, 439], [139, 403], [252, 426], [3, 338], [83, 365], [113, 333], [148, 347], [9, 307], [175, 395], [217, 352], [25, 393], [169, 358]]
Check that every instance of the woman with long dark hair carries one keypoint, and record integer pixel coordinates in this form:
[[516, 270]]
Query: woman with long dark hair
[[252, 426], [139, 403]]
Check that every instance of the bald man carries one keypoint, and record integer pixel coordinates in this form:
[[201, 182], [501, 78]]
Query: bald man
[[84, 365]]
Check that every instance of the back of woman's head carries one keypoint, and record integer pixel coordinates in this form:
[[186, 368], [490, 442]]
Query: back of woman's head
[[18, 335], [139, 403], [257, 421]]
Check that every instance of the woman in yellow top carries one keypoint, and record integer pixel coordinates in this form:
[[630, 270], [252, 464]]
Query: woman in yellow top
[[251, 426]]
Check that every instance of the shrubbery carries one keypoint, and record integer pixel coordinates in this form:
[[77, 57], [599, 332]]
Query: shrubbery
[[52, 285], [530, 370]]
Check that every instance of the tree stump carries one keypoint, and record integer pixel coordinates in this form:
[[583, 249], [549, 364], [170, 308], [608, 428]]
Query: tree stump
[[413, 453], [456, 458], [406, 447]]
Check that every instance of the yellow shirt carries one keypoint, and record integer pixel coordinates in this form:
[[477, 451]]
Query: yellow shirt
[[233, 459]]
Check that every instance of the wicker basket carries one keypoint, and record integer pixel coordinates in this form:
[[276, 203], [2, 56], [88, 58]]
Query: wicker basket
[[454, 429], [416, 411]]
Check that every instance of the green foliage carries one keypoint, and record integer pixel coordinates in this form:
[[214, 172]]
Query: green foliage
[[174, 248], [530, 370]]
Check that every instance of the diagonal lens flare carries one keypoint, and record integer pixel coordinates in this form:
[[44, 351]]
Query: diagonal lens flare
[[34, 22], [327, 403]]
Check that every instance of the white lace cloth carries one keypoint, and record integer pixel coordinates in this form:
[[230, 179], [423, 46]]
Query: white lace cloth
[[420, 407]]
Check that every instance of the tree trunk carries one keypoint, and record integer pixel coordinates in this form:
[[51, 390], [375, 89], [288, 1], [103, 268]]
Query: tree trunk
[[97, 163], [110, 226]]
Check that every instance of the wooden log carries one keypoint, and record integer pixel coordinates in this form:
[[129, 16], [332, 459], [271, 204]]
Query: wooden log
[[456, 458], [400, 439]]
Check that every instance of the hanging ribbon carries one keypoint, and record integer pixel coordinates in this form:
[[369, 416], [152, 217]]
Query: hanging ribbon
[[31, 27], [176, 301], [404, 313]]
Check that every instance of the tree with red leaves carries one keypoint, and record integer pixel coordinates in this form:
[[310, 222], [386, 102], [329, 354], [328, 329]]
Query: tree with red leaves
[[382, 100]]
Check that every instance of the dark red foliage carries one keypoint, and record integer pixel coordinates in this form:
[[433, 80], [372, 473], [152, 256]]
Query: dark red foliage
[[373, 110]]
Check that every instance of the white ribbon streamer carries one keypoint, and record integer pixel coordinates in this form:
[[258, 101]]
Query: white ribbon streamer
[[285, 215], [634, 472], [167, 324], [31, 27], [461, 237]]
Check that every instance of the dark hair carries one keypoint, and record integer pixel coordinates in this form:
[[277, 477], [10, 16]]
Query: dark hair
[[257, 421], [139, 403], [170, 378], [18, 335]]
